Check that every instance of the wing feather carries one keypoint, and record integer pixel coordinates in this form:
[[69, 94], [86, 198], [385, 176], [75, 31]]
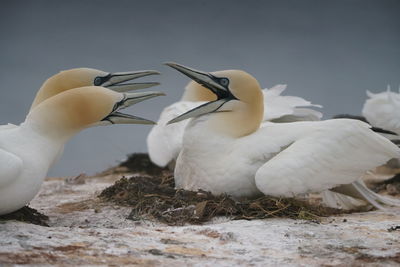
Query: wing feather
[[280, 108], [322, 155]]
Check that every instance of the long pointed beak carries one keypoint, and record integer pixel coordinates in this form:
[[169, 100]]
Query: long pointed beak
[[134, 98], [129, 99], [122, 118], [204, 78], [210, 82], [206, 108], [115, 81], [131, 86]]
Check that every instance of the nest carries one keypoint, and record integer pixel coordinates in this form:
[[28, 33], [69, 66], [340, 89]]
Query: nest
[[155, 197], [26, 214]]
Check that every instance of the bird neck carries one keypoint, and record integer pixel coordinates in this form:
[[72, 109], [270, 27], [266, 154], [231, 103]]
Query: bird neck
[[51, 126], [50, 87], [243, 120]]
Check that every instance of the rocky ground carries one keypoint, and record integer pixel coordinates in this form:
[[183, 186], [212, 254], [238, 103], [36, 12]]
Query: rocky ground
[[86, 230]]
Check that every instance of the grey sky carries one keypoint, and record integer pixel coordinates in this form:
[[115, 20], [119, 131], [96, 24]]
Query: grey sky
[[329, 52]]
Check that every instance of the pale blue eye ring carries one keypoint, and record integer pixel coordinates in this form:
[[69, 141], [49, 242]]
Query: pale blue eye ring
[[224, 82]]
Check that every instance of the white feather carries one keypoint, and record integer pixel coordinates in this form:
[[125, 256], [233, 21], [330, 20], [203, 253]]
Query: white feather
[[25, 157], [278, 106], [164, 142], [282, 160], [383, 110]]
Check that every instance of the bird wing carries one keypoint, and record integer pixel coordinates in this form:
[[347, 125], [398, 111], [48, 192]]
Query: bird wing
[[10, 167], [279, 108], [316, 156], [164, 142], [383, 110]]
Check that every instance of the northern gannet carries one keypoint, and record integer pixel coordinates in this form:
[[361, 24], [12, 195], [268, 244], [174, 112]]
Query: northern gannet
[[164, 142], [28, 150], [80, 77], [225, 150]]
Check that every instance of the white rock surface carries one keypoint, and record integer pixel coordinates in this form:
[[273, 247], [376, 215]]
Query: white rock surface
[[84, 231]]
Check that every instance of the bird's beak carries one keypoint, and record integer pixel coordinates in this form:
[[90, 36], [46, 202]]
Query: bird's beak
[[204, 78], [129, 99], [210, 82], [115, 81]]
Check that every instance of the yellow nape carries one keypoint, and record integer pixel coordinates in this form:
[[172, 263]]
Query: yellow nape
[[66, 80]]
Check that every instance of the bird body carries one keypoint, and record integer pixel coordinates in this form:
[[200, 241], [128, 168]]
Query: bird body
[[279, 159], [226, 151], [25, 158], [28, 150]]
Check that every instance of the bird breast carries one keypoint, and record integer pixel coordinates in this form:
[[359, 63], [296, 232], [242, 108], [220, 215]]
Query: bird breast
[[209, 161]]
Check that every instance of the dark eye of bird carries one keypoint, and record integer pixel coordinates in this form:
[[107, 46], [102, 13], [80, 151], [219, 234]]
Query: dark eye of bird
[[98, 81], [224, 82]]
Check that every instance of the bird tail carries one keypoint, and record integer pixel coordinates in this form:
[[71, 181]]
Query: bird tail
[[392, 136], [355, 195]]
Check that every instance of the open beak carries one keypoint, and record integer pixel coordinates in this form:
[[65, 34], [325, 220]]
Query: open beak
[[210, 82], [116, 81], [129, 99], [204, 78]]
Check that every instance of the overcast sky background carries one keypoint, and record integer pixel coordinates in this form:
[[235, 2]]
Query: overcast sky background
[[328, 52]]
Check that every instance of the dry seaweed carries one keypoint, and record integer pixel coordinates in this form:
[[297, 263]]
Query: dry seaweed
[[141, 163], [155, 197], [28, 215]]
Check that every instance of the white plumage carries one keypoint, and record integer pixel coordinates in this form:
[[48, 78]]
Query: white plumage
[[225, 151], [60, 110], [164, 142], [383, 110], [25, 157], [281, 160], [279, 108]]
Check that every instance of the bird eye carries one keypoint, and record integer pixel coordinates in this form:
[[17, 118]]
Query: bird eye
[[224, 82], [98, 81]]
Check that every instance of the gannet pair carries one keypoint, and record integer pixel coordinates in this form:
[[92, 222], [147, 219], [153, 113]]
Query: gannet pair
[[164, 142], [224, 150], [66, 104]]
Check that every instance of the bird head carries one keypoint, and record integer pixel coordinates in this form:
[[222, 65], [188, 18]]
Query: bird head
[[238, 107], [69, 112], [80, 77]]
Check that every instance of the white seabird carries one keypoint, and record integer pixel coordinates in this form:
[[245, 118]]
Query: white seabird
[[225, 150], [164, 142], [383, 110], [27, 151], [80, 77]]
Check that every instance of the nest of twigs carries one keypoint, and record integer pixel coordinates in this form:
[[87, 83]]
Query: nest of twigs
[[155, 197]]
